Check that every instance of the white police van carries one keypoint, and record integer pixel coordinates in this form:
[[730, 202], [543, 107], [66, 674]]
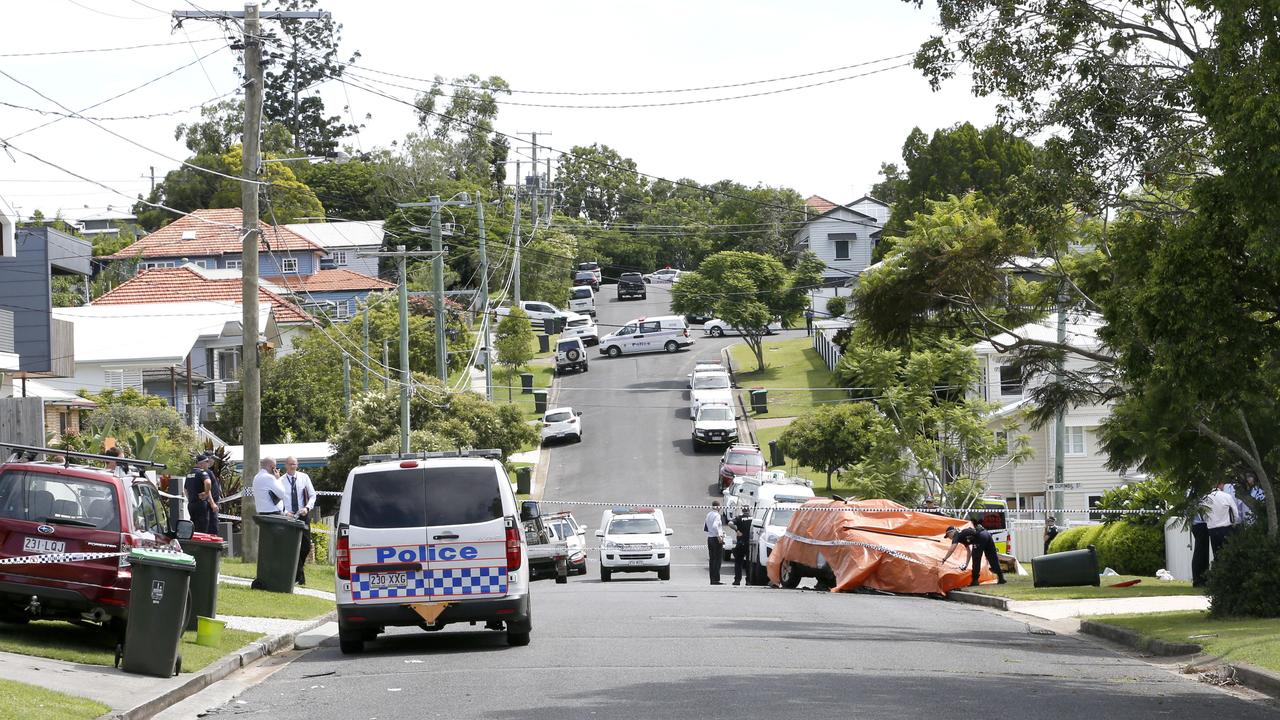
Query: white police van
[[430, 539], [648, 334]]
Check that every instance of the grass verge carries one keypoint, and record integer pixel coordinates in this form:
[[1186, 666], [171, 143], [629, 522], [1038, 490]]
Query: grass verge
[[319, 577], [29, 702], [542, 376], [95, 646], [1247, 640], [1020, 587], [247, 602], [791, 363]]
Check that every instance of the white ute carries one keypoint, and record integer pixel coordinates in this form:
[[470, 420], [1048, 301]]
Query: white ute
[[714, 423], [710, 388], [634, 540]]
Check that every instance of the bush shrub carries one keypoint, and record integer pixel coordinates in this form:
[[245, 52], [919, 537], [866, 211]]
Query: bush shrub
[[320, 543], [1067, 540], [1245, 581], [1131, 548], [837, 306]]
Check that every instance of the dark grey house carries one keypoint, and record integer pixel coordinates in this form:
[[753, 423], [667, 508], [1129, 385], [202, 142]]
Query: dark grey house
[[45, 346]]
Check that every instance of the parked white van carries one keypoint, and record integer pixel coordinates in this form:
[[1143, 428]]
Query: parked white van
[[582, 299], [648, 334]]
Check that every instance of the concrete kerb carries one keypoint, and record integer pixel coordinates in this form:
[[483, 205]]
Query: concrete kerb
[[972, 598], [219, 670], [540, 470], [1138, 641], [747, 426]]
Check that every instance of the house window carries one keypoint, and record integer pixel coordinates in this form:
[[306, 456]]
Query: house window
[[1075, 440], [151, 264], [288, 265], [339, 258], [121, 379], [1002, 437], [841, 243], [235, 264], [342, 310], [62, 424], [1094, 500], [1010, 380]]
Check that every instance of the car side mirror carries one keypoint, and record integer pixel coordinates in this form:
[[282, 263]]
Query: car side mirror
[[599, 533], [578, 413], [184, 530], [757, 523], [669, 531], [529, 510]]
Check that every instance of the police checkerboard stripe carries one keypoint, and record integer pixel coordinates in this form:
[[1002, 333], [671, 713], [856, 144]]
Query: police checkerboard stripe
[[446, 582]]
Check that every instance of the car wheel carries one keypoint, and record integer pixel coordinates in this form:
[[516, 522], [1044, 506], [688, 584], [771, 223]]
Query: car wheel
[[672, 346], [664, 573], [605, 575], [697, 446], [614, 351], [517, 639], [716, 331], [790, 576], [584, 367], [350, 643], [577, 438]]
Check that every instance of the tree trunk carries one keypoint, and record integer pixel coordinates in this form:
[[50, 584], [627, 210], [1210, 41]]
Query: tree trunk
[[1254, 462], [756, 345], [829, 473]]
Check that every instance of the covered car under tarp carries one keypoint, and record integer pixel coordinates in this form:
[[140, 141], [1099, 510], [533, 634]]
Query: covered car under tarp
[[877, 544]]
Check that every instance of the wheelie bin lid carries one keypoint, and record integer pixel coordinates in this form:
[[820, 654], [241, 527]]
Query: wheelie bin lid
[[166, 558], [277, 519], [204, 540]]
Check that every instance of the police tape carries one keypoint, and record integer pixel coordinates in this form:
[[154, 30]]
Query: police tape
[[854, 543], [66, 558], [844, 508]]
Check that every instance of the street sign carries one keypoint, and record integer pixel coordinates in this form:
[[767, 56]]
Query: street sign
[[1062, 486]]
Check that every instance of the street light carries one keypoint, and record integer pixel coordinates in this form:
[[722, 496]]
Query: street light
[[337, 156]]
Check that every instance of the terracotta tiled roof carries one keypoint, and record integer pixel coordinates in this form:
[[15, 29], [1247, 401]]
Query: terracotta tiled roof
[[216, 232], [818, 204], [335, 280], [185, 284]]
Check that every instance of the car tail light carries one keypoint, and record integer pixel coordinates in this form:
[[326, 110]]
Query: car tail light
[[686, 332], [342, 557], [513, 548]]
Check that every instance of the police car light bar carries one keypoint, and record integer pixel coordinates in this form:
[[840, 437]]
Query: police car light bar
[[31, 451], [489, 453]]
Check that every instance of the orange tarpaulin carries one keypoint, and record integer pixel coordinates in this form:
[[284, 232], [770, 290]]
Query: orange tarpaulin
[[892, 549]]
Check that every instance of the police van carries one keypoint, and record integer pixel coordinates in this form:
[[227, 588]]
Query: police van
[[648, 334], [430, 539]]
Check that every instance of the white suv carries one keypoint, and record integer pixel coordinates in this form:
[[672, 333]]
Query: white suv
[[768, 525], [714, 423], [634, 540], [429, 539], [570, 355]]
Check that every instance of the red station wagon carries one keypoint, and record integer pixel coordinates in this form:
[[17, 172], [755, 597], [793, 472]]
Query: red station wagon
[[66, 507]]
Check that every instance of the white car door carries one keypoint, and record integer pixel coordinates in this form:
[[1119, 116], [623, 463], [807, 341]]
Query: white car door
[[649, 336]]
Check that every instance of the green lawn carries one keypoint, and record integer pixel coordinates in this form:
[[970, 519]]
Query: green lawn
[[19, 701], [1020, 587], [542, 376], [788, 364], [1256, 642], [247, 602], [319, 577], [95, 646]]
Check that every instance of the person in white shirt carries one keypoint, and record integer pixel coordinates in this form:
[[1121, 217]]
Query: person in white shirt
[[299, 501], [268, 495], [1220, 516], [714, 527]]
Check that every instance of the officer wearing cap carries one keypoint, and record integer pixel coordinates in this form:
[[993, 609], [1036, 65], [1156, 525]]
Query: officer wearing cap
[[203, 493]]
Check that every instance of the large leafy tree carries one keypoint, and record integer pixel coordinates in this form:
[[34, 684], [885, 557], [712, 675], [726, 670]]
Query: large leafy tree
[[299, 56], [748, 291], [835, 438], [514, 342], [597, 183], [463, 128]]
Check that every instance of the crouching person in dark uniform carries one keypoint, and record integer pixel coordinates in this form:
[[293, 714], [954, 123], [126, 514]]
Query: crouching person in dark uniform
[[978, 542]]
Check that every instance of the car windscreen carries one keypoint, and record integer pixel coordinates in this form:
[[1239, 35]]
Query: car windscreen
[[580, 293], [715, 413], [580, 322], [710, 382], [417, 497], [632, 277], [634, 526], [558, 416], [782, 516], [57, 499], [742, 458]]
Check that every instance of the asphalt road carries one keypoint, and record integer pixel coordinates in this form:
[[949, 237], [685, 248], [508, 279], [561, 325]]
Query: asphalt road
[[642, 648]]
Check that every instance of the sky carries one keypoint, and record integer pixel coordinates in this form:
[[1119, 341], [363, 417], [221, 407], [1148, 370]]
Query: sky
[[828, 140]]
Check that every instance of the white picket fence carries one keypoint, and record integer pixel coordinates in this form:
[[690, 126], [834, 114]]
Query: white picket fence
[[824, 331]]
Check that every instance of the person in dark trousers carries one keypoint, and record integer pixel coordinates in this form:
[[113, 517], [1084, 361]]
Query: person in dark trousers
[[808, 321], [978, 543], [198, 488], [742, 527], [713, 526], [1050, 532], [300, 500], [1199, 550]]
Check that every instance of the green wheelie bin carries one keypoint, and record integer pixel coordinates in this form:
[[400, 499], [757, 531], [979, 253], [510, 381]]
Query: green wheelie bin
[[207, 550], [1066, 569], [279, 540], [158, 609]]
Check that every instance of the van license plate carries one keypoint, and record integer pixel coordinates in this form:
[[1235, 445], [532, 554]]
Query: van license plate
[[43, 545], [388, 580]]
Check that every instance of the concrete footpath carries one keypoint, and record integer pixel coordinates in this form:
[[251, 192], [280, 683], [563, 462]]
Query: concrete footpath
[[1063, 616], [134, 697]]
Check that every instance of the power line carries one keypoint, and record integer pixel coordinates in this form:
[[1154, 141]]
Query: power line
[[122, 48]]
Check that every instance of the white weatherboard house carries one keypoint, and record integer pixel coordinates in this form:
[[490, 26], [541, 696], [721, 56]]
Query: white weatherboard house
[[157, 347], [843, 236], [1084, 463], [343, 242]]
